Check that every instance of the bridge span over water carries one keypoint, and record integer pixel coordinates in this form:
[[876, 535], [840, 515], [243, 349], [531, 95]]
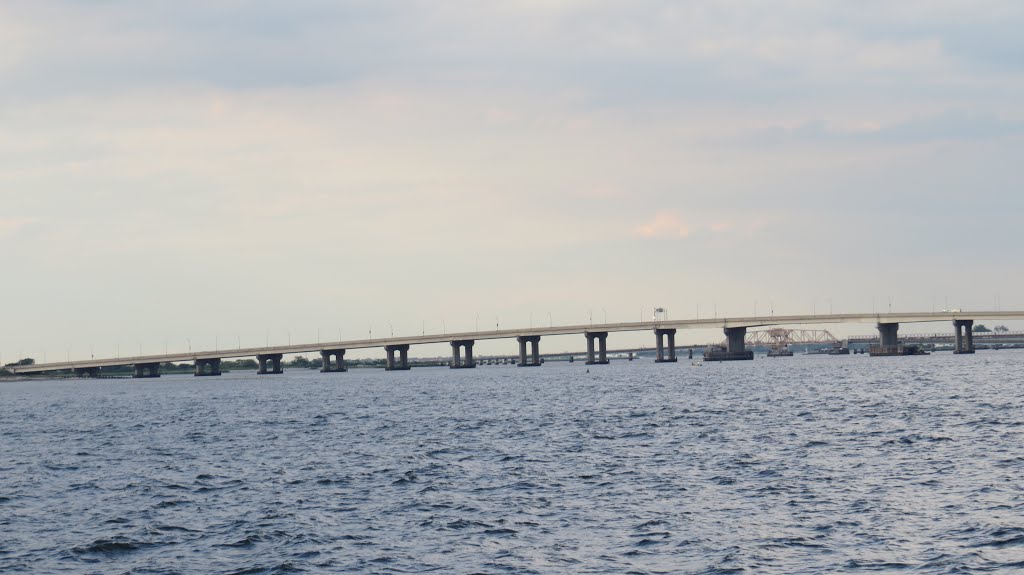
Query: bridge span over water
[[397, 348]]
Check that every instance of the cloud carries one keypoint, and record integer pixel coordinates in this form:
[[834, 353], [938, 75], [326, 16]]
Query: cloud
[[614, 52], [11, 226], [950, 124], [463, 138], [664, 225]]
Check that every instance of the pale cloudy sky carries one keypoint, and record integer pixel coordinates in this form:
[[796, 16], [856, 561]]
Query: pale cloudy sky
[[237, 170]]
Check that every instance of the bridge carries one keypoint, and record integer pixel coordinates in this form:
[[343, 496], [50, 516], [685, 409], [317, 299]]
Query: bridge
[[779, 337], [397, 348]]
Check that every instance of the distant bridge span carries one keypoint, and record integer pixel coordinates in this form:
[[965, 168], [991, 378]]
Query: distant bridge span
[[988, 337], [779, 336], [207, 362]]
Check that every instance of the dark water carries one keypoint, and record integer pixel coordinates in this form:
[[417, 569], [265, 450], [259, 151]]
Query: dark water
[[791, 465]]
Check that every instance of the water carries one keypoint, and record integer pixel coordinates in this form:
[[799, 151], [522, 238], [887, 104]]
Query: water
[[791, 465]]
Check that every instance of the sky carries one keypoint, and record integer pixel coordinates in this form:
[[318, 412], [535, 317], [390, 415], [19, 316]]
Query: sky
[[199, 174]]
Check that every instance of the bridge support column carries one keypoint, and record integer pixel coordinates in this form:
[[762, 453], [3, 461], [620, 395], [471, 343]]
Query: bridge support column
[[87, 372], [735, 337], [402, 364], [964, 341], [602, 347], [146, 370], [206, 367], [659, 337], [534, 341], [888, 339], [457, 361], [269, 363], [735, 347], [338, 365]]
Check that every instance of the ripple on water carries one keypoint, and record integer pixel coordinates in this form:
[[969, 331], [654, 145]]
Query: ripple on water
[[109, 547]]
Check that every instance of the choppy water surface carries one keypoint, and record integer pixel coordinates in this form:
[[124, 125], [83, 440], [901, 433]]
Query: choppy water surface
[[790, 465]]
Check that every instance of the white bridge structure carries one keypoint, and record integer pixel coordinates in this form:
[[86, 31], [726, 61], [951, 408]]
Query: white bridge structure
[[397, 348]]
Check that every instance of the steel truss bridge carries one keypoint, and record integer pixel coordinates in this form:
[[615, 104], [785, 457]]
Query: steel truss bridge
[[778, 337]]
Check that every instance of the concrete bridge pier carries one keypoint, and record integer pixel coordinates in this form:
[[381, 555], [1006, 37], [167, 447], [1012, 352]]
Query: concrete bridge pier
[[269, 363], [888, 338], [403, 357], [534, 341], [659, 337], [735, 347], [336, 366], [602, 347], [735, 339], [964, 342], [206, 367], [146, 370], [87, 372], [457, 360]]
